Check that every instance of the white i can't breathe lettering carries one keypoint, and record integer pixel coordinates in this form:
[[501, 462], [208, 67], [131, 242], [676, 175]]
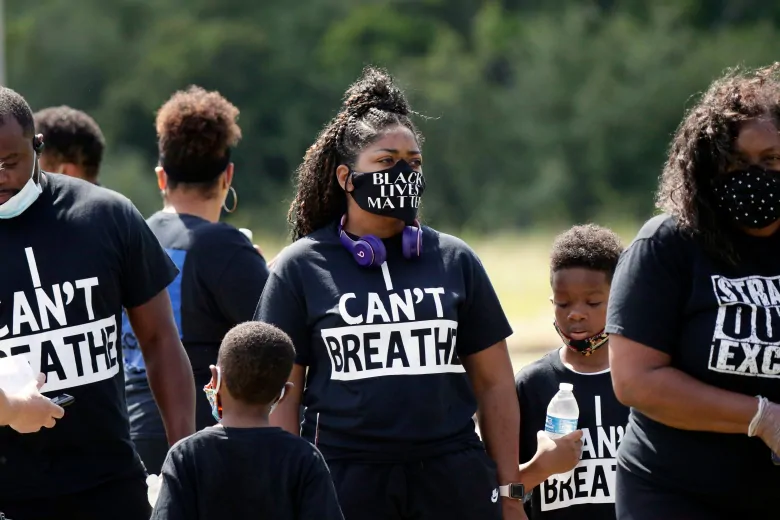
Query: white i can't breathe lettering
[[384, 338], [593, 480], [70, 354], [746, 338]]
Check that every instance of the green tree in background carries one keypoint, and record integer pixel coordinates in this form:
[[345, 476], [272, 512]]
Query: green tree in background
[[536, 113]]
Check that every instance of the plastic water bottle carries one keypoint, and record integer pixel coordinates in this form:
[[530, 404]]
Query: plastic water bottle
[[562, 417]]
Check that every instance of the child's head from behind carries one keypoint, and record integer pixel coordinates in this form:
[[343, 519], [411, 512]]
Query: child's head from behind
[[582, 264], [254, 362]]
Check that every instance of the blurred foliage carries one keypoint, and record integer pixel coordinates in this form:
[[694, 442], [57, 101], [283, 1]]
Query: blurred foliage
[[537, 112]]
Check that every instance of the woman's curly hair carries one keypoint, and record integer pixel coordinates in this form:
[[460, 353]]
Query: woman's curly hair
[[196, 124], [703, 147], [371, 105]]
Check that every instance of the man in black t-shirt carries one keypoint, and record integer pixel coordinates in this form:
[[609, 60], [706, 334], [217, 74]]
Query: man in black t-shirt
[[74, 142], [582, 263], [73, 255], [244, 468]]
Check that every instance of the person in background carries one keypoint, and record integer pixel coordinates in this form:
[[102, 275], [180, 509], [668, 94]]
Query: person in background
[[221, 275], [74, 142], [582, 264], [244, 468], [27, 411], [73, 256], [693, 317], [374, 303]]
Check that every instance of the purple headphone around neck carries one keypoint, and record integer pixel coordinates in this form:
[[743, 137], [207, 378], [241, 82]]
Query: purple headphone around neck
[[369, 250]]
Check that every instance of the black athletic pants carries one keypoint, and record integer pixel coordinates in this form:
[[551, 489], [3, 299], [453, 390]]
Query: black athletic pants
[[117, 500], [152, 452], [459, 486]]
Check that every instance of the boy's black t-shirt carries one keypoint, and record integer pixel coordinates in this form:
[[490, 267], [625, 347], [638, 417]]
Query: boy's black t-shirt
[[721, 325], [590, 492], [252, 473], [384, 346], [221, 277], [70, 263]]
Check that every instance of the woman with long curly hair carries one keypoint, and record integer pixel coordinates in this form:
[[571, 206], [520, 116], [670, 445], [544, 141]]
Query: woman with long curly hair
[[694, 317], [399, 334]]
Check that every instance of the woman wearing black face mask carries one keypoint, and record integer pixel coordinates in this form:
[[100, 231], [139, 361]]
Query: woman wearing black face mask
[[398, 331], [694, 318]]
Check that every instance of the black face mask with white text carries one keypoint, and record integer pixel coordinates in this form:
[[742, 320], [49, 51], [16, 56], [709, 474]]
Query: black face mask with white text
[[749, 197], [394, 192]]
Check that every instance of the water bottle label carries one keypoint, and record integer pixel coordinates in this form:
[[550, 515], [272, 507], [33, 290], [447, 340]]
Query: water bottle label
[[559, 425]]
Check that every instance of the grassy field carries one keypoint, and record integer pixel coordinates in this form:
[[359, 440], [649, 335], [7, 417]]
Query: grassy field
[[518, 266]]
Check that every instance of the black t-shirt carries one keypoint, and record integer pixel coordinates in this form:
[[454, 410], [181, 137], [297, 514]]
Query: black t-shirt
[[590, 492], [384, 346], [221, 277], [70, 263], [721, 325], [252, 473]]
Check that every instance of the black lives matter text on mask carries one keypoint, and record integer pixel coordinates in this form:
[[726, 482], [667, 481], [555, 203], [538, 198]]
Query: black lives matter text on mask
[[397, 190], [377, 343], [70, 354], [746, 339], [593, 480]]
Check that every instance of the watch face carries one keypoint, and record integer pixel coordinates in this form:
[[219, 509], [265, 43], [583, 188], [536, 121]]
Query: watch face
[[516, 491]]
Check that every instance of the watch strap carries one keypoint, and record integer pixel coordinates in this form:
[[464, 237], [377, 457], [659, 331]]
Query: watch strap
[[515, 492]]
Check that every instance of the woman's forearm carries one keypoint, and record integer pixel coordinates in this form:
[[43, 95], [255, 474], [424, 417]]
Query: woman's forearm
[[672, 397]]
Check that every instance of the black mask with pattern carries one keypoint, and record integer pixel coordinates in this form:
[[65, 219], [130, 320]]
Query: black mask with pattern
[[586, 346], [749, 197]]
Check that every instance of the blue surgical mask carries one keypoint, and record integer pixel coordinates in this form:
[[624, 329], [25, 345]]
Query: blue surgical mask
[[211, 395], [16, 205]]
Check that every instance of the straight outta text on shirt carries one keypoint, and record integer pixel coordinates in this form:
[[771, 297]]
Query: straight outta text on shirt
[[746, 339], [69, 354], [376, 343]]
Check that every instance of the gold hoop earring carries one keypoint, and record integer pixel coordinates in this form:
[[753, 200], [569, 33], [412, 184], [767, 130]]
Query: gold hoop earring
[[232, 190]]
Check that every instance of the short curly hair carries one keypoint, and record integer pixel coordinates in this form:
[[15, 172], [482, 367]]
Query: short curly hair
[[587, 246], [196, 126], [71, 136], [256, 359], [371, 105], [703, 147]]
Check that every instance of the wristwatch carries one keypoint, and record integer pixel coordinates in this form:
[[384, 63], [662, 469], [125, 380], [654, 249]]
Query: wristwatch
[[515, 492]]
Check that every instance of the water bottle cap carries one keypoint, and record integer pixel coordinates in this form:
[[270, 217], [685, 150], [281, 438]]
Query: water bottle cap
[[566, 387]]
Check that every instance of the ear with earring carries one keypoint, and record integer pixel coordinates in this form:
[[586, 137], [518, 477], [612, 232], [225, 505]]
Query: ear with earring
[[232, 190]]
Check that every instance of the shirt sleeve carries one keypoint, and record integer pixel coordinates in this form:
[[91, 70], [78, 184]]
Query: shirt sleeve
[[177, 499], [318, 498], [146, 270], [646, 300], [282, 307], [481, 320], [239, 286]]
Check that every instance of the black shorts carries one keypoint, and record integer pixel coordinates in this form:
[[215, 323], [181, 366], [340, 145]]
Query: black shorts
[[152, 452], [117, 500], [459, 486]]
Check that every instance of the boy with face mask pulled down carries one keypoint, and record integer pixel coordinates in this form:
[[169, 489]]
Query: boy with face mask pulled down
[[583, 261], [243, 467]]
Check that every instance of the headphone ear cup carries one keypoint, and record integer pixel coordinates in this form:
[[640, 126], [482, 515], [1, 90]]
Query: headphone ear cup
[[411, 242], [378, 248]]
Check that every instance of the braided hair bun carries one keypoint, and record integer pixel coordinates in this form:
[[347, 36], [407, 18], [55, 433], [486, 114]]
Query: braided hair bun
[[372, 105], [374, 90]]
